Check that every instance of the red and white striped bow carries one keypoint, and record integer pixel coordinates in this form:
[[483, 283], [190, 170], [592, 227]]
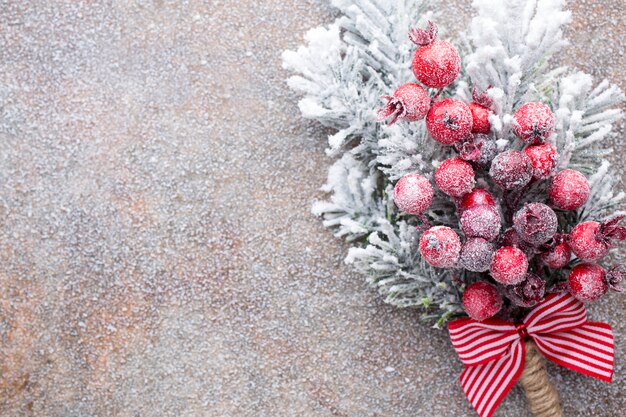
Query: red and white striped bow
[[493, 351]]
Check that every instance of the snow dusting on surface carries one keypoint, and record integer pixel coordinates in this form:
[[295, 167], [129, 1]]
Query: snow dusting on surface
[[157, 252]]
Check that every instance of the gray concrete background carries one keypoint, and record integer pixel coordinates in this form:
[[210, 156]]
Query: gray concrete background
[[157, 255]]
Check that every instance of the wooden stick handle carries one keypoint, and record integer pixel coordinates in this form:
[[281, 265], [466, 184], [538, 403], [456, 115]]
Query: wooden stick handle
[[543, 397]]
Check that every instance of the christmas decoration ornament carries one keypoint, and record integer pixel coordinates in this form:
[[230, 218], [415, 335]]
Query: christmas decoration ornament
[[557, 253], [440, 246], [592, 240], [449, 121], [480, 118], [409, 102], [482, 300], [413, 194], [455, 177], [476, 254], [586, 282], [480, 112], [525, 140], [436, 63], [569, 190], [543, 159], [481, 221], [477, 197], [534, 122], [511, 170], [509, 265], [535, 223]]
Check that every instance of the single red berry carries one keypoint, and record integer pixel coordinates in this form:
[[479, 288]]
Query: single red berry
[[440, 246], [477, 197], [557, 256], [410, 102], [476, 254], [533, 122], [436, 63], [544, 158], [481, 221], [536, 223], [587, 282], [480, 118], [482, 300], [511, 170], [413, 194], [455, 177], [586, 242], [449, 121], [509, 265], [527, 293], [591, 241], [569, 190]]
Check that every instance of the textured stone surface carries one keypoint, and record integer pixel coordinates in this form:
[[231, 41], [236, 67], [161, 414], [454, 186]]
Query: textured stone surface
[[157, 255]]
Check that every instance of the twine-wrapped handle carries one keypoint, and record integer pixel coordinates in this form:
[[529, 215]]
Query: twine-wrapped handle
[[543, 397]]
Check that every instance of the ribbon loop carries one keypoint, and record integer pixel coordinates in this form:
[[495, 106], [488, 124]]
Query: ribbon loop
[[493, 350]]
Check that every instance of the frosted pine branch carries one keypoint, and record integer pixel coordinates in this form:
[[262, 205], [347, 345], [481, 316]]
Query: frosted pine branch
[[392, 263], [512, 41], [355, 205], [345, 68]]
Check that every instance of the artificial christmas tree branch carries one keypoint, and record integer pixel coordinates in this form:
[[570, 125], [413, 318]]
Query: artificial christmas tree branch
[[466, 203]]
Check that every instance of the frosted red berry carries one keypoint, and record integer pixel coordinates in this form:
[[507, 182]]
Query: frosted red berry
[[543, 158], [569, 190], [409, 102], [481, 221], [482, 300], [509, 265], [480, 118], [455, 177], [511, 170], [413, 194], [587, 282], [449, 121], [557, 256], [533, 122], [591, 241], [440, 246], [476, 254], [477, 197], [535, 223], [586, 242], [436, 63], [527, 293]]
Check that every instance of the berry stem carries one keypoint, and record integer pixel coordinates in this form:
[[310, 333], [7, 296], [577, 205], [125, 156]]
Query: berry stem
[[436, 96], [426, 224]]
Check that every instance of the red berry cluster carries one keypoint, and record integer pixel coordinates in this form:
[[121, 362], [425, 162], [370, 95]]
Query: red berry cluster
[[508, 247]]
